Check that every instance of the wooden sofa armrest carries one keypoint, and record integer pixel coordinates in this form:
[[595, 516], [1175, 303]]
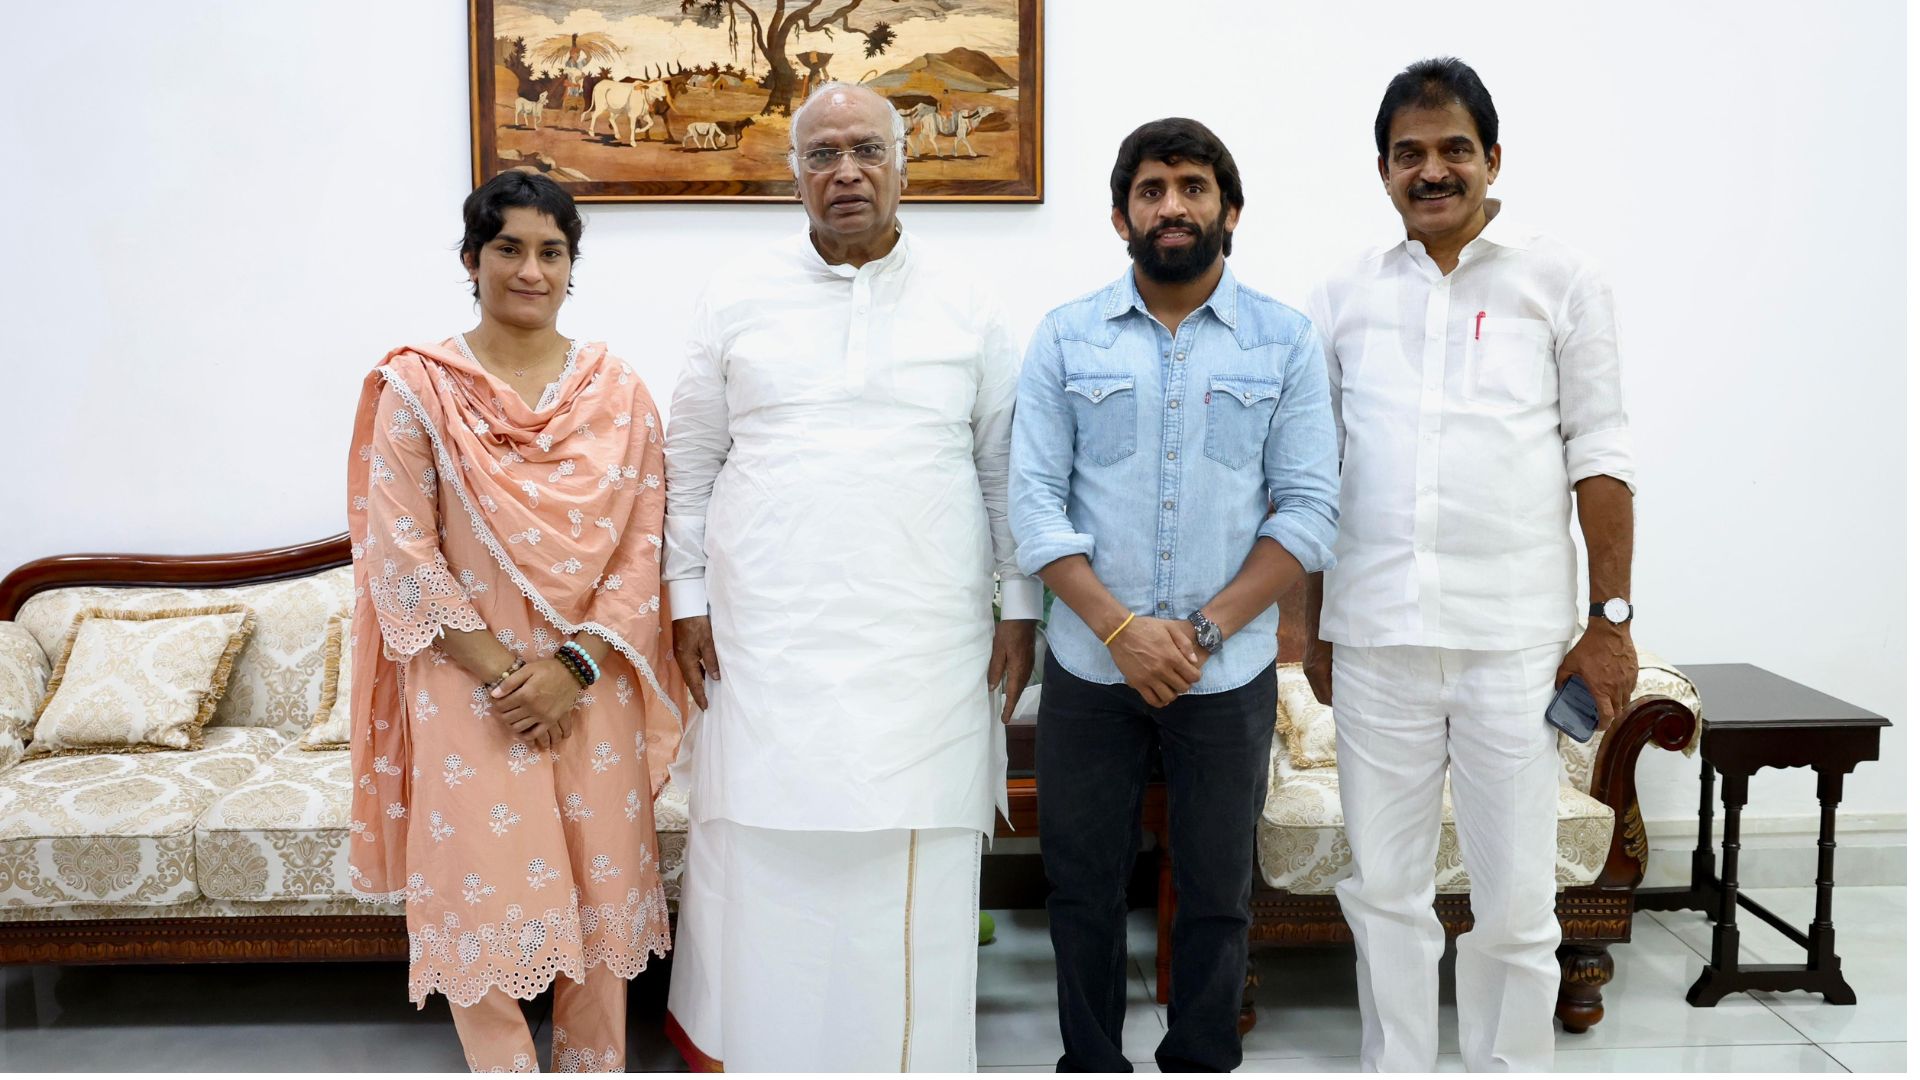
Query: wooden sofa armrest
[[1663, 722]]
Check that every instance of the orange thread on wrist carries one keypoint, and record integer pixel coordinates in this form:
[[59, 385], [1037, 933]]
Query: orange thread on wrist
[[1117, 629]]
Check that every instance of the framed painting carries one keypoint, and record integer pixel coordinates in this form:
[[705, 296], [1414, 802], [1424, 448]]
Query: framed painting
[[691, 100]]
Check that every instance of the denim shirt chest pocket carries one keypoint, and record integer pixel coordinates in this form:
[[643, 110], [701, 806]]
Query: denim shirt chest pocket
[[1240, 412], [1105, 416]]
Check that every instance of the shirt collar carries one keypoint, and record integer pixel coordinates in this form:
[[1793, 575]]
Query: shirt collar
[[1124, 296], [811, 257], [1501, 229]]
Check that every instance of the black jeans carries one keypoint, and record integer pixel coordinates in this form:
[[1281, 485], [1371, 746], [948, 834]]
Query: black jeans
[[1095, 742]]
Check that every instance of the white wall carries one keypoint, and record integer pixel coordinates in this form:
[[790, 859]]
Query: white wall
[[202, 263]]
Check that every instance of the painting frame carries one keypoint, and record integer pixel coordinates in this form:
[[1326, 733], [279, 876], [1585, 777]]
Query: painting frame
[[1028, 185]]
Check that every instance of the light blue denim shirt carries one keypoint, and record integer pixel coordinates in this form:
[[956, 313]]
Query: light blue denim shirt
[[1157, 456]]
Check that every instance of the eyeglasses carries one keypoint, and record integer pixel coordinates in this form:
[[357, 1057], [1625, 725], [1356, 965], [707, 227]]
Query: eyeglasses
[[868, 155]]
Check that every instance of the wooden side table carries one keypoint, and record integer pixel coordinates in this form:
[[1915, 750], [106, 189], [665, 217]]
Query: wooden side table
[[1754, 719]]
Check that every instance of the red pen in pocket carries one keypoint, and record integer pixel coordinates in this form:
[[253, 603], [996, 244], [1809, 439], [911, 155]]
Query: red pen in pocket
[[1476, 325]]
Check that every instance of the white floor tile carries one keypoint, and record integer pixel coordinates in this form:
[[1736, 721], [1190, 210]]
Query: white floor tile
[[1697, 1059], [1871, 926], [1873, 1057], [1299, 1064]]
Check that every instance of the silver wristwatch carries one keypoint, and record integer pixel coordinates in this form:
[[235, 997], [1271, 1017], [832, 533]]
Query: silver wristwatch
[[1206, 632]]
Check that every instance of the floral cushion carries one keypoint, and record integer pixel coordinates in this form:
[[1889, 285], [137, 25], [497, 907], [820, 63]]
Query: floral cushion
[[23, 683], [139, 680], [282, 835], [333, 723], [1302, 845], [116, 828], [1305, 725], [277, 676]]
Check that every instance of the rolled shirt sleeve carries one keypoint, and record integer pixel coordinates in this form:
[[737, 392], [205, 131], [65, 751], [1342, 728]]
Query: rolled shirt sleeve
[[1043, 460], [1302, 461], [1593, 415]]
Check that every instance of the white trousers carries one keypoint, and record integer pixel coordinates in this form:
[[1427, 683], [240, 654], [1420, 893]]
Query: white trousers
[[826, 951], [1404, 715]]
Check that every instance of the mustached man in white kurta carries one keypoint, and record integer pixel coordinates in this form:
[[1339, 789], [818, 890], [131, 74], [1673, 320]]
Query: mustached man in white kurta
[[836, 510], [1474, 367]]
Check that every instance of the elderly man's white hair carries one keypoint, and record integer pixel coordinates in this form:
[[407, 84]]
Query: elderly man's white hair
[[898, 123]]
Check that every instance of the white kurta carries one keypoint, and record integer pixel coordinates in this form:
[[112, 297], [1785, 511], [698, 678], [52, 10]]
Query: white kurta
[[836, 496]]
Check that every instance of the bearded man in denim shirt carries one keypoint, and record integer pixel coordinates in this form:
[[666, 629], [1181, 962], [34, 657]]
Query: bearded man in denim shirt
[[1173, 473]]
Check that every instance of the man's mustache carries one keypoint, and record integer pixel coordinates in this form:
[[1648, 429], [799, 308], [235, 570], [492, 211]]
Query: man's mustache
[[1427, 191]]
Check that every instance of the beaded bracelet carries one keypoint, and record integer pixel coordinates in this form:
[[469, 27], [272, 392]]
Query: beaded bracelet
[[580, 662], [502, 677], [573, 667], [592, 663]]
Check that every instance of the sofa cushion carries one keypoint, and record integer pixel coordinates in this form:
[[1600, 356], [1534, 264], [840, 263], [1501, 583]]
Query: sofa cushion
[[139, 680], [1303, 839], [116, 828], [277, 676], [333, 722], [1305, 725], [282, 835], [23, 683]]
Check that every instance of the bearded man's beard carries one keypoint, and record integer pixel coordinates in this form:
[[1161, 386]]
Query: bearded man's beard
[[1177, 266]]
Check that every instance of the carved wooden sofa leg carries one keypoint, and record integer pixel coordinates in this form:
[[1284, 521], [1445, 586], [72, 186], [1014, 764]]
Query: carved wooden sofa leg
[[1585, 967]]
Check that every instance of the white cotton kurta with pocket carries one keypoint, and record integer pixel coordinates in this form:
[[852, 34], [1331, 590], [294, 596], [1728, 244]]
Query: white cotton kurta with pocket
[[837, 461]]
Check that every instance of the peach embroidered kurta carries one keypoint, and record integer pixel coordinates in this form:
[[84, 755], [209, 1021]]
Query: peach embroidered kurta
[[469, 510]]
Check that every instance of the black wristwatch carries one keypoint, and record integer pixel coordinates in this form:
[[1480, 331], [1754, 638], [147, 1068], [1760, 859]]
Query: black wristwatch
[[1616, 611], [1205, 632]]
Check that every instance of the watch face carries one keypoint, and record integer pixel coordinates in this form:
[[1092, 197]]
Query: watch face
[[1617, 610]]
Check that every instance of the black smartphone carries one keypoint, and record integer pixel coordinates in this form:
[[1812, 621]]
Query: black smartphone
[[1573, 711]]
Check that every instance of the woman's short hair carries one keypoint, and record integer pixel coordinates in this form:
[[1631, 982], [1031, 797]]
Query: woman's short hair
[[486, 209]]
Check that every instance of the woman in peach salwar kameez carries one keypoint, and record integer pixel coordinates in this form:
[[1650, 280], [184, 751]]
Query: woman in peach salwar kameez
[[505, 501]]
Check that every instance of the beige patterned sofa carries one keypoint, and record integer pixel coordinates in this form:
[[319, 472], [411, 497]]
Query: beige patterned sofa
[[233, 851]]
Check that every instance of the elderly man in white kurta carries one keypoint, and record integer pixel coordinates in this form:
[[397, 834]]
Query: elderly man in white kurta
[[836, 511]]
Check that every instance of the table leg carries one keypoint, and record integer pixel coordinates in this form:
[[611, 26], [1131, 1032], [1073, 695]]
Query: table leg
[[1718, 977], [1701, 892], [1702, 883], [1820, 957]]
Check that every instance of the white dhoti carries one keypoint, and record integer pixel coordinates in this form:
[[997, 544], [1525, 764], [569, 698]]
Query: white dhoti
[[815, 951], [837, 477]]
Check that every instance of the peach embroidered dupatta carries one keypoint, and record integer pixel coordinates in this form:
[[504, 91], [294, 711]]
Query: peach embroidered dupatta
[[567, 502]]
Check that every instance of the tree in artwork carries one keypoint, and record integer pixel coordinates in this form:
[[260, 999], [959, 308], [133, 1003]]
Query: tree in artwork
[[771, 23]]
